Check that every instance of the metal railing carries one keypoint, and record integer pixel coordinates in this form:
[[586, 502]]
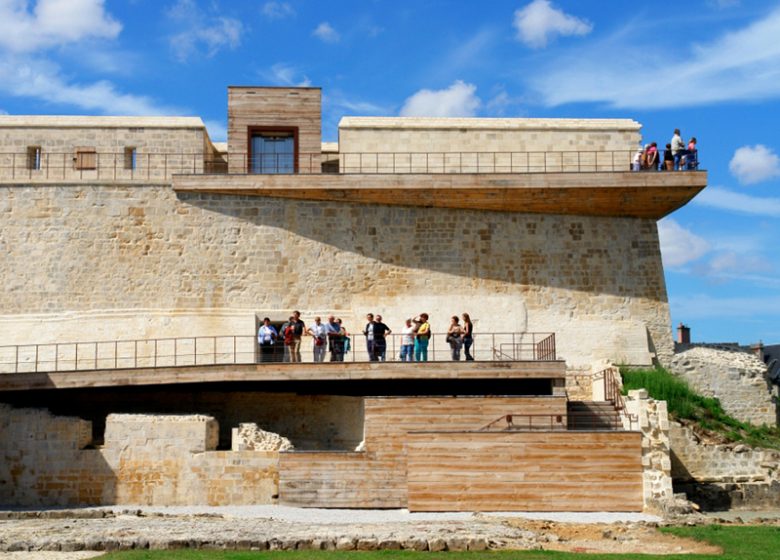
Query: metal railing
[[613, 393], [570, 421], [243, 349], [161, 166], [105, 166]]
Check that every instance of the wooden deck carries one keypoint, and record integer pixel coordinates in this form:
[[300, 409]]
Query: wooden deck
[[625, 194], [328, 371]]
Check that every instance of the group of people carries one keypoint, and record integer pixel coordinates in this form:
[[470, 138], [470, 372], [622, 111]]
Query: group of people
[[331, 337], [676, 157]]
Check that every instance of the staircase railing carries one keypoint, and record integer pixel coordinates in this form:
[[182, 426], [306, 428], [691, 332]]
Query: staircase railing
[[613, 392]]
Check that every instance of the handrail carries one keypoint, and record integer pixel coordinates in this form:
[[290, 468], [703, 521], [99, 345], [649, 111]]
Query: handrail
[[161, 166], [243, 349], [552, 421], [612, 392]]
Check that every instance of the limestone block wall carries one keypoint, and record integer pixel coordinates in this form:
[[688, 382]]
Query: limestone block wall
[[105, 262], [724, 475], [738, 379], [164, 145], [152, 460], [653, 420], [462, 138]]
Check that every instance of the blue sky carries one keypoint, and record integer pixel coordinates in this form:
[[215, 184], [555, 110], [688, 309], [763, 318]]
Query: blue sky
[[709, 67]]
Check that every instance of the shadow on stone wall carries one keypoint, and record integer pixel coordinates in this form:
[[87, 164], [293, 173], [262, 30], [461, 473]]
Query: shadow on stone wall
[[617, 256]]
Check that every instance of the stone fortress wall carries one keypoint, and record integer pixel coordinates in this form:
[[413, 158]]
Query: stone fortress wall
[[105, 262], [164, 145]]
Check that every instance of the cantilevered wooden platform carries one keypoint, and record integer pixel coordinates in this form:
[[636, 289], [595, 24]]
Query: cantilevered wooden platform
[[328, 371], [623, 194]]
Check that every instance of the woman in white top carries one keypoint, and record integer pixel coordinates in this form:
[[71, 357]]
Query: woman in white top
[[407, 342]]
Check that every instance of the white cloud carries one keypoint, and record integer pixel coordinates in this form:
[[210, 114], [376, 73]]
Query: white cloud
[[539, 22], [458, 100], [738, 65], [679, 246], [200, 31], [3, 112], [753, 164], [278, 10], [724, 199], [286, 75], [53, 23], [326, 33], [41, 79]]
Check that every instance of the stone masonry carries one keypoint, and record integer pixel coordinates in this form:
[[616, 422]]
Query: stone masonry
[[738, 379], [149, 460], [723, 476], [653, 422], [141, 262]]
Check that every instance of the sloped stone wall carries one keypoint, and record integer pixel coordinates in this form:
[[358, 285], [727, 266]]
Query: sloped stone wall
[[738, 379], [120, 262]]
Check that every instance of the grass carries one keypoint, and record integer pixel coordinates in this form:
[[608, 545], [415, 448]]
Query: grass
[[705, 412], [738, 543]]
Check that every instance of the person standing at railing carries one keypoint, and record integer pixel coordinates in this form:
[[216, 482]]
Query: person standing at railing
[[368, 332], [407, 342], [299, 327], [678, 149], [468, 336], [380, 339], [336, 338], [692, 157], [319, 334], [422, 337], [266, 337], [288, 336], [455, 337]]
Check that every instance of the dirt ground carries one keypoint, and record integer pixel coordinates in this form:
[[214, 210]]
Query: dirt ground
[[611, 538]]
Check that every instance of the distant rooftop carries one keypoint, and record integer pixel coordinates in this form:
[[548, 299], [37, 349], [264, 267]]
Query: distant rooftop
[[494, 124], [77, 121]]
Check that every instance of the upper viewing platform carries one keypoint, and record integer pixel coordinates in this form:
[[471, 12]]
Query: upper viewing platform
[[274, 148]]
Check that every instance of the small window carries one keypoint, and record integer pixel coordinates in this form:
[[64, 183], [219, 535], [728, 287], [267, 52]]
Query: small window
[[34, 157], [130, 158], [86, 158]]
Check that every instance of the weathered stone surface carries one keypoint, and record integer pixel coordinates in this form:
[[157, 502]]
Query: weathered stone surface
[[739, 380], [653, 422], [720, 477], [160, 265], [248, 437]]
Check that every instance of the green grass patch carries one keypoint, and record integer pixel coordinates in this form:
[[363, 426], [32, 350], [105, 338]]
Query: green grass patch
[[738, 543], [684, 404]]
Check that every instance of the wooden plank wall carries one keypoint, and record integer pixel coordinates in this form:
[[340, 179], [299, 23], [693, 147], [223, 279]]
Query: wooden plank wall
[[376, 478], [269, 107], [524, 471]]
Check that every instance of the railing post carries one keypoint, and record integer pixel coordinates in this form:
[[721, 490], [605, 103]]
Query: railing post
[[16, 364], [96, 355], [195, 351], [155, 352], [235, 357], [76, 364], [36, 358], [175, 351], [116, 354], [135, 359], [215, 351]]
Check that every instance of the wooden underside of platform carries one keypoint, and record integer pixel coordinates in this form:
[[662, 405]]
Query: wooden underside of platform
[[624, 194], [336, 371]]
